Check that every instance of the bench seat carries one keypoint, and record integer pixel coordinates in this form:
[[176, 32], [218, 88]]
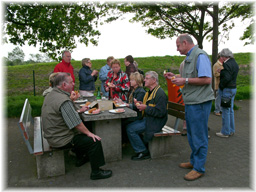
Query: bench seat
[[49, 161], [160, 145]]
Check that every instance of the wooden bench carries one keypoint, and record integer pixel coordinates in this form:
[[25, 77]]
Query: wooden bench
[[50, 162], [160, 145]]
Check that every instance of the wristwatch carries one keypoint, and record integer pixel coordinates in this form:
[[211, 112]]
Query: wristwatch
[[186, 81]]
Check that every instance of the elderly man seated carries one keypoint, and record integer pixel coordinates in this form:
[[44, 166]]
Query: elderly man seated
[[63, 127], [154, 111]]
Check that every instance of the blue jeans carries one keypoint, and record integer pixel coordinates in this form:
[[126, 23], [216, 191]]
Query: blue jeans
[[217, 102], [134, 130], [197, 116], [228, 120]]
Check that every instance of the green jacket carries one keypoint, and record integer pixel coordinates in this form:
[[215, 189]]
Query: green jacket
[[55, 129]]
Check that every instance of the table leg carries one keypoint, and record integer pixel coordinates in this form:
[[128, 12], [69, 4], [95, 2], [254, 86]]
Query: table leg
[[111, 138]]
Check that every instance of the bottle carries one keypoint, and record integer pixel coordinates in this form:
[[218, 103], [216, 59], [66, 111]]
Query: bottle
[[98, 94]]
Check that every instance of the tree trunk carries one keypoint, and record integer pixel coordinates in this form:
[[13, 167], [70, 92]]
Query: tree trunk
[[215, 37]]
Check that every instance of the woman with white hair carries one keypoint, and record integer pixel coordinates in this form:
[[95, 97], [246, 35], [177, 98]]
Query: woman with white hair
[[227, 89]]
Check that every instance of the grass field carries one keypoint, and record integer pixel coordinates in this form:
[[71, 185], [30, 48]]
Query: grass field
[[19, 79]]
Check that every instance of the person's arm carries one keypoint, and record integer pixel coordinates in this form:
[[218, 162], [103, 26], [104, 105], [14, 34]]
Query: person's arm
[[103, 74], [72, 119], [203, 70], [85, 76]]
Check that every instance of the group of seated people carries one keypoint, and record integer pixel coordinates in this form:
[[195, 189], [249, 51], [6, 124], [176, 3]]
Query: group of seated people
[[127, 87]]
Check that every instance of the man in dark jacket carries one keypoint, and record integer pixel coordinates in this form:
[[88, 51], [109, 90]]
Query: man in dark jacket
[[154, 111]]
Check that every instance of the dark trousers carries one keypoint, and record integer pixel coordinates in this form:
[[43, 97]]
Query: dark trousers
[[84, 145]]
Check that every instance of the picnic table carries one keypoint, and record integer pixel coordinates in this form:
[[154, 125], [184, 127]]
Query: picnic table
[[107, 125]]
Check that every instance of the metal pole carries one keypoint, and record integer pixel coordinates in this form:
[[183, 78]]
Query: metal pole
[[34, 83]]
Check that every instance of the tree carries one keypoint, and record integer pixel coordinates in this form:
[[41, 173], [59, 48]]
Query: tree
[[54, 27], [16, 57], [167, 20]]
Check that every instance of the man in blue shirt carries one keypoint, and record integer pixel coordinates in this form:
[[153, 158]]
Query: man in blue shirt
[[197, 95], [103, 75]]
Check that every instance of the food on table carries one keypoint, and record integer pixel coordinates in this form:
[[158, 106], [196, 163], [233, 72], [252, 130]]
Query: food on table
[[119, 110], [91, 110], [96, 111], [87, 103]]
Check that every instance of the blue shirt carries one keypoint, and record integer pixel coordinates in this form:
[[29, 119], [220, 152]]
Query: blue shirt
[[103, 77], [203, 65]]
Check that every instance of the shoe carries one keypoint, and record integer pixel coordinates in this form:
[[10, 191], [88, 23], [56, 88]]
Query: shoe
[[102, 174], [184, 132], [193, 175], [82, 161], [187, 165], [221, 135], [231, 134], [217, 114], [141, 156]]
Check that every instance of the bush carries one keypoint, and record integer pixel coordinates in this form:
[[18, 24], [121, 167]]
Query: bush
[[15, 105]]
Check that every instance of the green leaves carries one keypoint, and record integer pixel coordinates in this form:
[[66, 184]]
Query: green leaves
[[54, 27]]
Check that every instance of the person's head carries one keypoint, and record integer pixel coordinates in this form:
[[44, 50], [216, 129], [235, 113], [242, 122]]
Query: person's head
[[86, 62], [225, 54], [184, 43], [151, 79], [115, 65], [128, 60], [66, 56], [64, 81], [136, 79], [109, 59], [51, 79]]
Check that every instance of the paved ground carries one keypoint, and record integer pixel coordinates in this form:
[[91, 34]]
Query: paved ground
[[229, 164]]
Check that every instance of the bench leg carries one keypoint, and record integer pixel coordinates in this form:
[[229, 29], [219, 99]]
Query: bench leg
[[160, 146], [50, 164]]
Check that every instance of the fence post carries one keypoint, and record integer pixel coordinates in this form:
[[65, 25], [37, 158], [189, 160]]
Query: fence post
[[34, 83]]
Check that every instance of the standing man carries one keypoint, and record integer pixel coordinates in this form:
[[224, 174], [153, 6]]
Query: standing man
[[65, 65], [103, 75], [197, 95], [63, 127], [217, 67]]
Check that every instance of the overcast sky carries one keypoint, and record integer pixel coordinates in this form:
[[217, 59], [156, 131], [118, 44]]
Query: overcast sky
[[121, 38]]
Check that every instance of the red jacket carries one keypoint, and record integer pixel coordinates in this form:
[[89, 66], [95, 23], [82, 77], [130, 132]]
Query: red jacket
[[65, 67]]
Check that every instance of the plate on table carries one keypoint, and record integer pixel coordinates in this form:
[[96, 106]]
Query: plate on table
[[81, 101], [120, 105], [87, 113], [116, 111]]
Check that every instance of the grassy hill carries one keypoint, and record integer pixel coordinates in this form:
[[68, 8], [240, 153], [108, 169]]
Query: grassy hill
[[19, 79]]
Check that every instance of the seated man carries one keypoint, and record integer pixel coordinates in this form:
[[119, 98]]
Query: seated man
[[154, 111], [63, 127]]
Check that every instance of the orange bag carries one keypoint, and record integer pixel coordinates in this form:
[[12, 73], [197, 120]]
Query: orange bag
[[174, 93]]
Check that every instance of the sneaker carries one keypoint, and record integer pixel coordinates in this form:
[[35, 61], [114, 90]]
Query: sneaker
[[184, 132], [221, 135], [217, 114], [231, 134], [193, 175]]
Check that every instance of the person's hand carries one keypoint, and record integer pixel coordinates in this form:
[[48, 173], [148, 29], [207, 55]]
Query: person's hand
[[179, 81], [94, 137], [84, 108], [107, 89], [74, 96], [218, 70], [169, 75], [141, 106], [94, 73]]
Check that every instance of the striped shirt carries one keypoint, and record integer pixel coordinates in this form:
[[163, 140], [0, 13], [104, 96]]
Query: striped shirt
[[70, 115]]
